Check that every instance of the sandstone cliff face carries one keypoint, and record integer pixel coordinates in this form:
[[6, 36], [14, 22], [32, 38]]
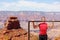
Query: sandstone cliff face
[[13, 31]]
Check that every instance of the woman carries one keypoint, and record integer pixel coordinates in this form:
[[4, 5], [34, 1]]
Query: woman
[[43, 26]]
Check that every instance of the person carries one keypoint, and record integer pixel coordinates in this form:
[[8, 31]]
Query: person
[[43, 26]]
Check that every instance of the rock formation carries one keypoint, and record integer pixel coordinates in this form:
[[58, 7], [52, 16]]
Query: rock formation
[[13, 31], [12, 23]]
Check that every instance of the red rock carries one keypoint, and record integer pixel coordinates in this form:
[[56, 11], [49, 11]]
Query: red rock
[[13, 31]]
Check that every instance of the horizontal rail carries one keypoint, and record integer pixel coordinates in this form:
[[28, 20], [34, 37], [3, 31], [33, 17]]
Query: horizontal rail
[[45, 21]]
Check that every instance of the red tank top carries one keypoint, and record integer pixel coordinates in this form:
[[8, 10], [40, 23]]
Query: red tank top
[[43, 28]]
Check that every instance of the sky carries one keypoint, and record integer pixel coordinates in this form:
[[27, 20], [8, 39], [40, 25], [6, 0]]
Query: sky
[[30, 5]]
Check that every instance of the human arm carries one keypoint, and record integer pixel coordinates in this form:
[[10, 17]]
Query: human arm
[[51, 25], [35, 26]]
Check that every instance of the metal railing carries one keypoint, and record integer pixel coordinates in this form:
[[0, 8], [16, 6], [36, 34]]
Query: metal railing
[[35, 21]]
